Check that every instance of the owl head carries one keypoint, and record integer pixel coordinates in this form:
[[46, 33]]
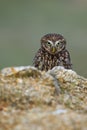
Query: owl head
[[53, 43]]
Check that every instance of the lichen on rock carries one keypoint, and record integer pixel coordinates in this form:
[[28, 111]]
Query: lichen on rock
[[33, 99]]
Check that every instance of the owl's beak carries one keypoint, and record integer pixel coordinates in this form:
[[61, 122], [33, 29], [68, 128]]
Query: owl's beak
[[53, 49]]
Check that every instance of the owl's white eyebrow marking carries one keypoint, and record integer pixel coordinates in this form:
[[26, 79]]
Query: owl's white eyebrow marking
[[59, 41], [50, 42]]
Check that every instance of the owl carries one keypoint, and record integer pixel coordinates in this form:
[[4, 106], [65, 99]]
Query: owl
[[52, 53]]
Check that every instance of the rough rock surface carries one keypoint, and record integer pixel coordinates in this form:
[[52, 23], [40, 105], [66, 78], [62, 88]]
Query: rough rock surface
[[35, 100]]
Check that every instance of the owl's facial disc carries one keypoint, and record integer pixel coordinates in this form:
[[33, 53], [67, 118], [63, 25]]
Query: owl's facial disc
[[53, 46]]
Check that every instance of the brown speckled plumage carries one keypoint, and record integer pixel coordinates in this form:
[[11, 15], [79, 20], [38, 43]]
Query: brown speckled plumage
[[52, 53]]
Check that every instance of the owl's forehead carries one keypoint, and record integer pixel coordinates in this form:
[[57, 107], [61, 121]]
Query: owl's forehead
[[52, 37]]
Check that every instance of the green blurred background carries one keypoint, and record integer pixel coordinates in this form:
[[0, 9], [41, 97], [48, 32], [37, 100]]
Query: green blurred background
[[24, 22]]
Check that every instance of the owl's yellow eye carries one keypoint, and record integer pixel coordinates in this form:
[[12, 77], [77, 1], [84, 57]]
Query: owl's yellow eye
[[48, 43], [58, 44]]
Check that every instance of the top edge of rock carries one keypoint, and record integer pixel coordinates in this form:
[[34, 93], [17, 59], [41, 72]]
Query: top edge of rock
[[14, 70]]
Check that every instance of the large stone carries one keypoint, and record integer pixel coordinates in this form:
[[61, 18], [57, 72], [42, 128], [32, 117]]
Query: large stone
[[35, 100]]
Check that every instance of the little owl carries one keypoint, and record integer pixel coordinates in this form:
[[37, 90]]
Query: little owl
[[52, 53]]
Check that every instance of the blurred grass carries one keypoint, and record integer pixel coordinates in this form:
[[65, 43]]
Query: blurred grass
[[24, 22]]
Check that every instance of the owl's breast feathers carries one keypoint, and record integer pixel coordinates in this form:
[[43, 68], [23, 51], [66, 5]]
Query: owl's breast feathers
[[45, 61]]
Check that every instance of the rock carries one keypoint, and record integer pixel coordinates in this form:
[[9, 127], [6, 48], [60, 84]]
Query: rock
[[33, 99]]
